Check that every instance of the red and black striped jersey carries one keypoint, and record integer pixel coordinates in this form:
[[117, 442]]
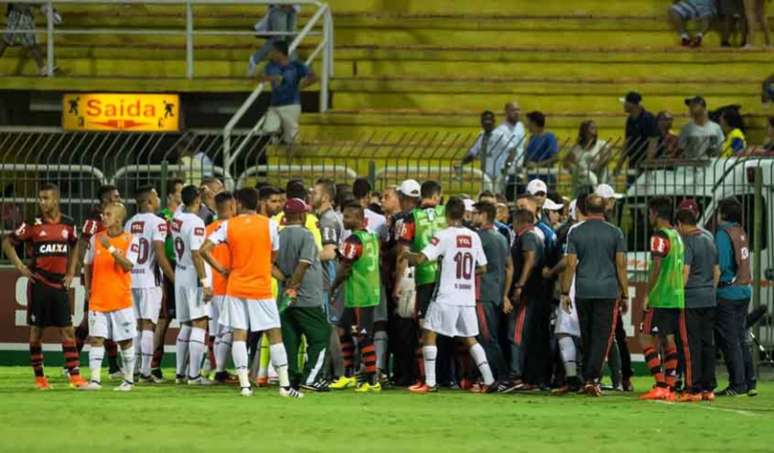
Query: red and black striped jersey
[[50, 243]]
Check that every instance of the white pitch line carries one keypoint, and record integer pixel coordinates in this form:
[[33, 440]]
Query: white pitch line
[[712, 408]]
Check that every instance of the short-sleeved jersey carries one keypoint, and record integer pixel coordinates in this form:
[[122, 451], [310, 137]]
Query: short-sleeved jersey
[[111, 285], [222, 255], [188, 234], [50, 243], [251, 239], [460, 252], [147, 228]]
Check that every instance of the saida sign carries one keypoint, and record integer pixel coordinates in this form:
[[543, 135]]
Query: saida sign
[[121, 112]]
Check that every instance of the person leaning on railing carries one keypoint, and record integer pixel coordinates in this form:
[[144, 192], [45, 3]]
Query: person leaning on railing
[[588, 159]]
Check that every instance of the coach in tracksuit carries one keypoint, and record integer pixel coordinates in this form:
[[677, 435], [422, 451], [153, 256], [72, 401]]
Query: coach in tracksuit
[[698, 320], [596, 256]]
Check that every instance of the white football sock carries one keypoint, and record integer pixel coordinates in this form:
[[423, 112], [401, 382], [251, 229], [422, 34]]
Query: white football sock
[[569, 355], [380, 342], [429, 353], [196, 349], [239, 356], [146, 352], [96, 353], [222, 350], [279, 360], [127, 355], [479, 357], [182, 348]]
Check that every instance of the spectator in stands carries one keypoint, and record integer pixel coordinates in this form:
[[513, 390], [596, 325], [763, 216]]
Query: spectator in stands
[[701, 11], [196, 164], [701, 137], [732, 14], [513, 129], [287, 78], [641, 131], [667, 142], [542, 148], [279, 18], [767, 91], [20, 17], [755, 13], [588, 159], [497, 147], [733, 127], [768, 142]]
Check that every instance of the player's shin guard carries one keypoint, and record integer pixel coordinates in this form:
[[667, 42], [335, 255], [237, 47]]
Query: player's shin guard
[[36, 358], [239, 356], [670, 366], [347, 353], [380, 342], [96, 354], [127, 355], [653, 361], [222, 350], [479, 356], [279, 360], [146, 351], [429, 353], [569, 355], [72, 361], [196, 347], [182, 348]]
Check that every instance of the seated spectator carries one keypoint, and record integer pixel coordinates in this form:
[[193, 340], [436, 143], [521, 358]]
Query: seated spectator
[[279, 18], [684, 11], [588, 158], [542, 148], [667, 142], [733, 126], [701, 137]]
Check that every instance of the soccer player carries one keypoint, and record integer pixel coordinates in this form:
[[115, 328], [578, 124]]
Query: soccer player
[[252, 241], [110, 258], [698, 322], [359, 268], [225, 207], [452, 311], [666, 300], [50, 238], [150, 230], [193, 288]]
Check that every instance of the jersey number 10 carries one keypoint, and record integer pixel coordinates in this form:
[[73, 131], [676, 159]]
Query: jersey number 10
[[464, 265]]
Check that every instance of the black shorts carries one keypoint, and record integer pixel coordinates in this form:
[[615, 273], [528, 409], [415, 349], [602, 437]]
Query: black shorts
[[168, 300], [48, 306], [661, 321], [360, 317], [424, 296]]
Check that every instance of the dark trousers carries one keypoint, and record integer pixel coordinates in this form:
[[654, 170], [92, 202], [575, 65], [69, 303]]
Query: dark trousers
[[730, 323], [698, 348], [311, 323], [519, 340], [538, 360], [488, 333], [623, 349], [597, 319]]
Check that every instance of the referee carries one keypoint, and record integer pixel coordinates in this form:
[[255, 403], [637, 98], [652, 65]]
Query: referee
[[596, 258]]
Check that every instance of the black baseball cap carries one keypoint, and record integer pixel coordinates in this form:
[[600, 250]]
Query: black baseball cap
[[695, 100], [632, 97]]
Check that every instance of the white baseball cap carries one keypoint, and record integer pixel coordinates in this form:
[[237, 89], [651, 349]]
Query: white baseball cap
[[573, 208], [469, 205], [535, 186], [606, 191], [551, 205], [410, 188]]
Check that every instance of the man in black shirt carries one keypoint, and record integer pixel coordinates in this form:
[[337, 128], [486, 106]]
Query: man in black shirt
[[641, 131]]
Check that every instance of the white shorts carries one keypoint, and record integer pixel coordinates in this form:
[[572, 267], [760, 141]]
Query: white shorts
[[567, 323], [284, 118], [119, 325], [249, 314], [452, 320], [147, 303], [189, 303], [216, 308]]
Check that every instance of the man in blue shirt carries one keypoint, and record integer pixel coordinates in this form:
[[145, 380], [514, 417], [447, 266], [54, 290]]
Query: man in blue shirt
[[733, 294], [287, 79], [542, 149]]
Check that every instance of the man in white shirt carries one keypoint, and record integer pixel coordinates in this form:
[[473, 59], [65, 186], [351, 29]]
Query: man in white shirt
[[453, 310]]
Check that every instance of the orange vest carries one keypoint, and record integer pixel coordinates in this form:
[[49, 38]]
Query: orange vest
[[222, 255], [249, 242], [111, 285]]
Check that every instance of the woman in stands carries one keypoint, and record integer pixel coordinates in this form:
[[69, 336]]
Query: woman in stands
[[587, 160]]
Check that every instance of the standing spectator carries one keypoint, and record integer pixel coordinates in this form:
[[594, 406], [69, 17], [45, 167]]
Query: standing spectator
[[667, 142], [702, 137], [734, 293], [733, 127], [279, 18], [542, 149], [20, 18], [641, 131], [596, 257], [755, 11], [513, 128], [732, 14], [495, 147], [287, 79], [588, 158], [196, 165], [701, 11]]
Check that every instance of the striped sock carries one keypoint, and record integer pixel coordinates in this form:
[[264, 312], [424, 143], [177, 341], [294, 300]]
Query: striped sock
[[368, 355], [670, 366], [654, 364], [70, 352], [36, 358], [347, 354]]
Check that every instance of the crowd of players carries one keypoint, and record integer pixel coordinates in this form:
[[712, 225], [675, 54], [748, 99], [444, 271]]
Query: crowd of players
[[336, 288]]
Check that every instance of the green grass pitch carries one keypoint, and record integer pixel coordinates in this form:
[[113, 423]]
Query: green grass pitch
[[178, 418]]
